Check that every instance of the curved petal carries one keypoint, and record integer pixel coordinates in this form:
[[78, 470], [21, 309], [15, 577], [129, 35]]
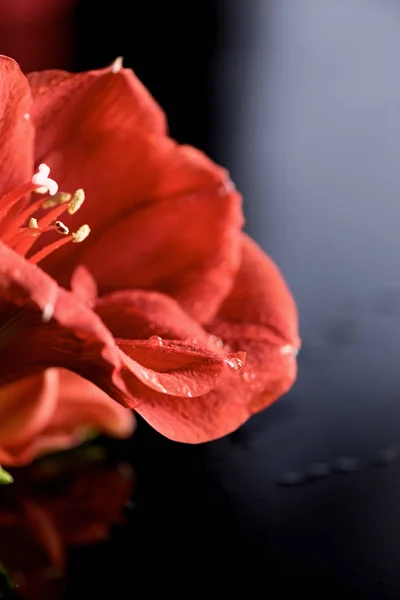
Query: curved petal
[[166, 216], [26, 407], [260, 318], [16, 131], [178, 358], [174, 368], [82, 405], [45, 326], [55, 410], [138, 314]]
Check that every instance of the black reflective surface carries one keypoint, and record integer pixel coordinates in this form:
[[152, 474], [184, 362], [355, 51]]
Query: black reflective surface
[[174, 519]]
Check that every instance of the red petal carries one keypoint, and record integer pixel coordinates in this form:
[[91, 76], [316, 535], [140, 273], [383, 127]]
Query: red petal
[[26, 407], [83, 405], [181, 368], [261, 297], [74, 338], [137, 315], [16, 132], [83, 285], [260, 318], [174, 368], [165, 216], [55, 410]]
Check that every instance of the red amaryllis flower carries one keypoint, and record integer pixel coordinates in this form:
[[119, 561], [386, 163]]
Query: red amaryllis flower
[[183, 291], [54, 410]]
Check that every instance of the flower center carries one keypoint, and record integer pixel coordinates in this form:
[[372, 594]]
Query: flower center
[[19, 229]]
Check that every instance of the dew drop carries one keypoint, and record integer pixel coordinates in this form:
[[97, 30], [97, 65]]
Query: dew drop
[[248, 376], [27, 116], [226, 188], [156, 340], [234, 363], [193, 341], [288, 349]]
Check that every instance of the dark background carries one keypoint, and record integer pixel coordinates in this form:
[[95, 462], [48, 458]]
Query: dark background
[[300, 100]]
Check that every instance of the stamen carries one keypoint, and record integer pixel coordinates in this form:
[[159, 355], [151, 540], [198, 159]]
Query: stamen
[[76, 202], [41, 254], [61, 228], [33, 224], [56, 200], [21, 238], [80, 234]]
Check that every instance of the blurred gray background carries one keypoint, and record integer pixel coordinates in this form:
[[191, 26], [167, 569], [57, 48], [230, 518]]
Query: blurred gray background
[[312, 137]]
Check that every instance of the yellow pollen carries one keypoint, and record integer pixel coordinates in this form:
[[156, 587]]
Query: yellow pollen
[[56, 200], [33, 224], [61, 228], [81, 234], [76, 202]]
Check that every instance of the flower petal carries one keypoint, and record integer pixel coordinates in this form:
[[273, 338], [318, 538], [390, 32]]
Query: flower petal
[[83, 285], [81, 405], [175, 368], [45, 326], [260, 318], [166, 216], [26, 407], [138, 314], [177, 359], [16, 131]]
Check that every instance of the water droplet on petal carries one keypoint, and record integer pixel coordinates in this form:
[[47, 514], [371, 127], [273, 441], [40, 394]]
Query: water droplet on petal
[[289, 349], [27, 116], [156, 340], [234, 363], [226, 188], [193, 341], [248, 376]]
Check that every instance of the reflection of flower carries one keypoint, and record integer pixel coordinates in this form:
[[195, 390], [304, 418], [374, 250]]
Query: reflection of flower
[[183, 292], [46, 512], [53, 410]]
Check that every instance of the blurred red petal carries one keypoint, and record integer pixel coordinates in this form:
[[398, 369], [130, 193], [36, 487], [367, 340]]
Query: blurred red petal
[[16, 132], [82, 405]]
